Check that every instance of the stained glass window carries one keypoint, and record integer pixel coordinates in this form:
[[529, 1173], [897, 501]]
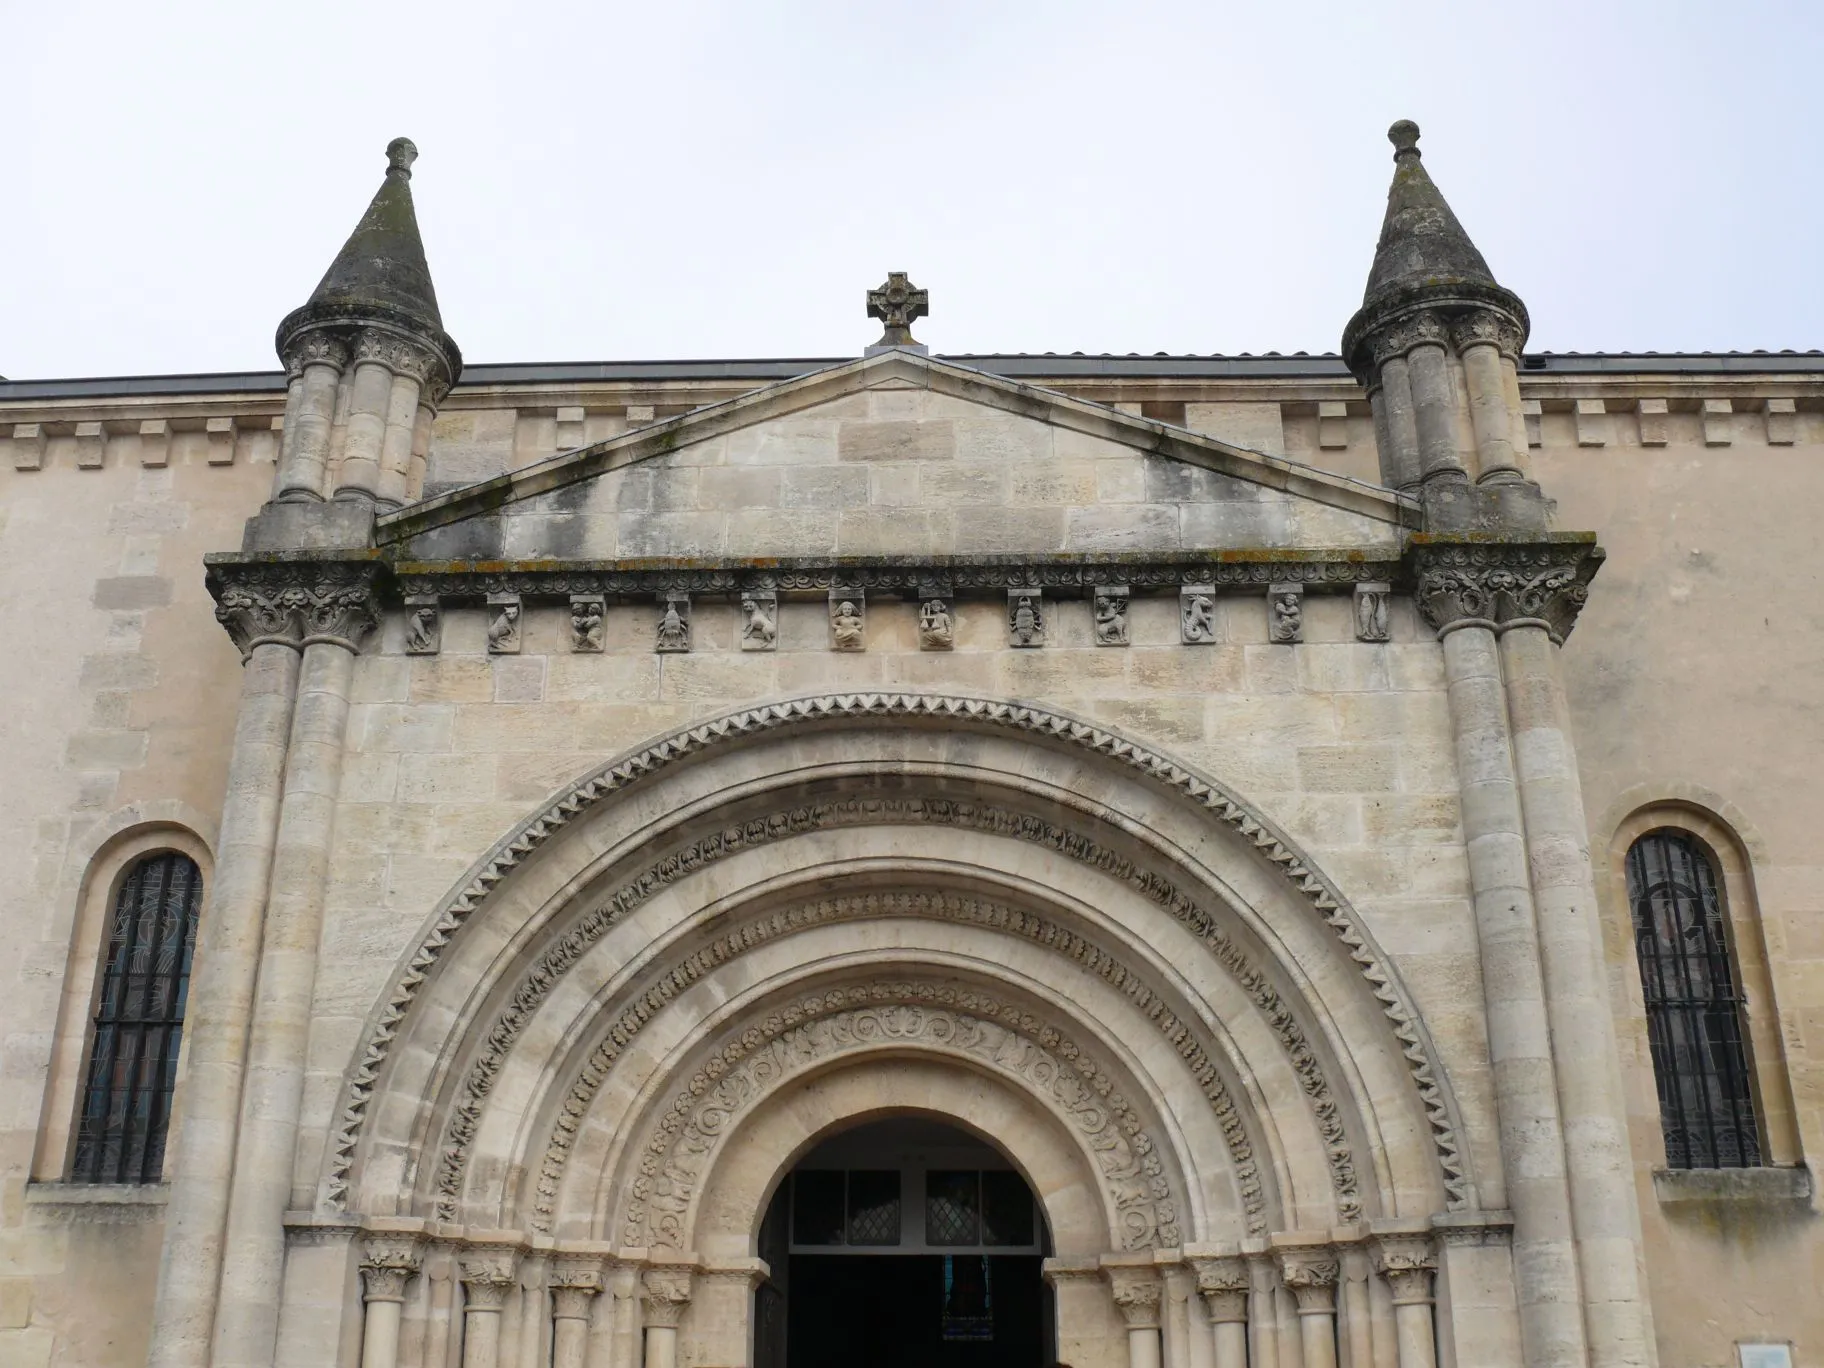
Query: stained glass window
[[953, 1207], [139, 1023]]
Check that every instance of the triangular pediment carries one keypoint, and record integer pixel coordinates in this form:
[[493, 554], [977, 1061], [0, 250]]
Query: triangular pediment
[[896, 454]]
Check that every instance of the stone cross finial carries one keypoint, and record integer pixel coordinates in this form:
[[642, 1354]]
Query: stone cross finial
[[896, 304]]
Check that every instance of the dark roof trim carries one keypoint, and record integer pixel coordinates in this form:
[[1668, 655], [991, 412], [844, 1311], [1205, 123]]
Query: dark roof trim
[[1019, 366]]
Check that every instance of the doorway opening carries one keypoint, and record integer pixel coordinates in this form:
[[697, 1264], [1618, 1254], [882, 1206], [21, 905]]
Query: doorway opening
[[905, 1243]]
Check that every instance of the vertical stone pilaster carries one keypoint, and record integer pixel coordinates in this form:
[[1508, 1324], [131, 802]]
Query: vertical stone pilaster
[[1395, 428], [370, 395], [335, 618], [396, 441], [262, 616], [1484, 339], [1604, 1208], [1263, 1308]]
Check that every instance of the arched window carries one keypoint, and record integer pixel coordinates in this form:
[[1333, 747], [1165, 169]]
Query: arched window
[[1694, 1005], [139, 1021]]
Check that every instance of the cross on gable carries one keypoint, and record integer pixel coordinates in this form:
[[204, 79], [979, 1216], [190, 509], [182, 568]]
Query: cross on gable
[[896, 304]]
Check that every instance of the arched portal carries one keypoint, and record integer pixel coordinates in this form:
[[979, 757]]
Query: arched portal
[[903, 1241], [654, 999]]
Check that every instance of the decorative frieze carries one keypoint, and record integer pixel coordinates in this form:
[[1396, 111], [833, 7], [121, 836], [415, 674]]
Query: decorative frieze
[[588, 623], [505, 628], [848, 618], [1370, 611], [423, 625], [1025, 617], [672, 634], [295, 603], [1109, 614], [1197, 614], [1286, 613], [759, 620]]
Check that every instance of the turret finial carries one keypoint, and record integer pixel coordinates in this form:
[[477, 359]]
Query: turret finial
[[1404, 136], [400, 154]]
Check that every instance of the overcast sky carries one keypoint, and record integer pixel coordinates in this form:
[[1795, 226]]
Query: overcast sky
[[672, 179]]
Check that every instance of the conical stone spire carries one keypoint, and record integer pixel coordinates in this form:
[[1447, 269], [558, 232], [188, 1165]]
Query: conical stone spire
[[1424, 258], [380, 276]]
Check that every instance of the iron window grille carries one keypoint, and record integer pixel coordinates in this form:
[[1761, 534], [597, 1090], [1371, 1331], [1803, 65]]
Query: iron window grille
[[139, 1023], [1694, 1005]]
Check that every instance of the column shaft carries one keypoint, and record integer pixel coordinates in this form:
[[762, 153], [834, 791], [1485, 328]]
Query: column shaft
[[1434, 414], [1495, 458], [380, 1334], [1231, 1344], [248, 1319], [220, 1007], [304, 445], [662, 1347], [1357, 1326], [1516, 418], [1395, 427], [396, 444], [362, 441], [421, 450], [1519, 1042], [1142, 1347], [1603, 1202], [1412, 1328], [1263, 1313], [481, 1337]]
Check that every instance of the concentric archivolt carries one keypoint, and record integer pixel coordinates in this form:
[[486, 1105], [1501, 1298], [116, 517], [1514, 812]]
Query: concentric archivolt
[[671, 980], [932, 1018], [1274, 846]]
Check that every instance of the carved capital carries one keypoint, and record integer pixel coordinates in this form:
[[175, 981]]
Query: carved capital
[[666, 1294], [1420, 329], [1504, 585], [296, 603], [1311, 1275], [575, 1280], [1487, 327], [314, 348], [1137, 1293], [399, 354], [488, 1275], [1224, 1285], [387, 1264], [1407, 1263]]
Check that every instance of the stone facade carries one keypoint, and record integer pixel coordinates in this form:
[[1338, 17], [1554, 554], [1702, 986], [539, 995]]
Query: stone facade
[[1183, 771]]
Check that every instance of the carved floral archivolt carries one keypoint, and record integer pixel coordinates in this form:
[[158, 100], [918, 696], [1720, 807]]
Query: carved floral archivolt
[[669, 980], [933, 1017], [1273, 846]]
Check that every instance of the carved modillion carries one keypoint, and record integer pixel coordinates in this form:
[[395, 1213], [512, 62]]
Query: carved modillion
[[1197, 614], [588, 622], [1025, 617], [1371, 606], [1285, 613], [504, 624], [423, 625], [759, 620], [673, 632], [1109, 614], [848, 619], [936, 618]]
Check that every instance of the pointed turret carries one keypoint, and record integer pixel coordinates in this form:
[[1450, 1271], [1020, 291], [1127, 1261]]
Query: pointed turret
[[1437, 344], [369, 361], [380, 275]]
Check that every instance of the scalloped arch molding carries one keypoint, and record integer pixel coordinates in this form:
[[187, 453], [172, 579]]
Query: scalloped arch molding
[[615, 777]]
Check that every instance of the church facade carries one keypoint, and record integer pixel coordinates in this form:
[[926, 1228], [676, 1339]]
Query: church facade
[[1168, 862]]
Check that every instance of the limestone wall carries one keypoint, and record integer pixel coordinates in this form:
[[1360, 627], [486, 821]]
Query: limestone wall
[[1693, 679], [121, 693]]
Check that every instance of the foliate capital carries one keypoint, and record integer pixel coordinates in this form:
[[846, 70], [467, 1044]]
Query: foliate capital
[[1137, 1293], [295, 603], [1311, 1275], [315, 348], [667, 1295], [387, 1264], [1407, 1263], [1503, 585], [400, 354], [1487, 327], [488, 1275], [1224, 1284]]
